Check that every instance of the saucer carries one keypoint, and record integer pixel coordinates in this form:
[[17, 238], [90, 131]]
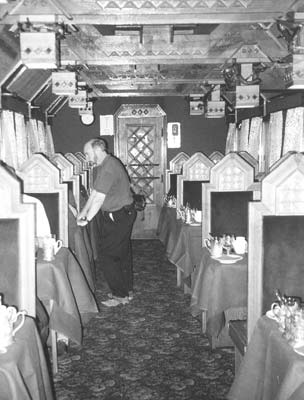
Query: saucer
[[271, 315], [299, 348], [228, 259]]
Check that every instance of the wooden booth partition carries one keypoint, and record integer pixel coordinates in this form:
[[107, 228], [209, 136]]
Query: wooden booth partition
[[78, 170], [225, 211], [67, 175], [196, 170], [276, 232], [216, 156], [17, 245], [41, 179], [175, 169], [225, 199], [87, 166]]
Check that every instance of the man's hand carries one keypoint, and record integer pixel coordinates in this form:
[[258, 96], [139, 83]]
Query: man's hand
[[82, 221]]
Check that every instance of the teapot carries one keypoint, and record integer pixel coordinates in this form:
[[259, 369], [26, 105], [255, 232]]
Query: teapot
[[215, 246], [8, 317], [239, 244]]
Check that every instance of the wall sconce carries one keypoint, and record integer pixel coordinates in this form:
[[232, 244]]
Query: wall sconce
[[78, 100], [196, 104], [294, 73], [215, 107], [64, 83], [39, 50], [247, 96]]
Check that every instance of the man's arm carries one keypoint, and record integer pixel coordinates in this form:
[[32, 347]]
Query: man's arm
[[91, 208]]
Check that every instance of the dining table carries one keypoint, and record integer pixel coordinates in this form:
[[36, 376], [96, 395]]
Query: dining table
[[187, 253], [168, 228], [24, 373], [62, 283], [81, 242], [271, 369], [219, 292]]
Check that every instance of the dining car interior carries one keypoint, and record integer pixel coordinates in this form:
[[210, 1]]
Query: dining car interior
[[202, 102]]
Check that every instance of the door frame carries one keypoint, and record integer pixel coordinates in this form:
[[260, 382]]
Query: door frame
[[140, 111]]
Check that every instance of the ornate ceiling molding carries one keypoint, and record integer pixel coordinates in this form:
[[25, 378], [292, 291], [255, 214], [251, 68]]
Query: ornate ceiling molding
[[127, 12], [106, 5]]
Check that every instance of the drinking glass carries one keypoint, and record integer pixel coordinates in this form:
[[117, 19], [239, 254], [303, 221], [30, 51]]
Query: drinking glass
[[227, 243]]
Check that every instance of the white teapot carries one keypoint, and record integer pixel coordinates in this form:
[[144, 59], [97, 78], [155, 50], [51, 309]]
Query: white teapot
[[8, 317], [215, 246], [239, 244]]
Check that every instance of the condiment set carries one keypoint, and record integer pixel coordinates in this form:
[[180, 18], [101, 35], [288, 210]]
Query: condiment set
[[216, 244]]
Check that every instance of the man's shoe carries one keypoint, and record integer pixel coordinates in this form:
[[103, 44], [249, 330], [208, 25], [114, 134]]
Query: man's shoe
[[116, 301], [111, 303], [131, 295]]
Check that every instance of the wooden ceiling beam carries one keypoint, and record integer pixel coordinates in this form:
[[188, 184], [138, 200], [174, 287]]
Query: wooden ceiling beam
[[164, 93], [156, 19]]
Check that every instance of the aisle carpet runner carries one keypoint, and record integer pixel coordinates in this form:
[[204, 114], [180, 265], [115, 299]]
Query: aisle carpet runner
[[150, 349]]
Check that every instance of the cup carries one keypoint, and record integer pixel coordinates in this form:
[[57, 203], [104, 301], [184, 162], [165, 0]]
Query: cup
[[8, 328], [214, 246], [50, 247], [197, 216]]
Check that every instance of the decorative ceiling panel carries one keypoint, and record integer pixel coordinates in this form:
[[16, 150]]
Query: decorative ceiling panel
[[153, 47], [28, 83]]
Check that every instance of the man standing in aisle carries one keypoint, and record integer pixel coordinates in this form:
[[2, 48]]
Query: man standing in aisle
[[112, 195]]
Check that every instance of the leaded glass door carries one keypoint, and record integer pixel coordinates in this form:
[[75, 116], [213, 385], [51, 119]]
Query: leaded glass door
[[140, 145]]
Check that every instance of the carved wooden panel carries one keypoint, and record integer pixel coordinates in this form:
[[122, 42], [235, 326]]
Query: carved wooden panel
[[17, 245], [67, 174], [282, 197], [86, 167], [216, 156], [231, 174], [175, 167], [78, 168], [177, 162], [40, 176], [196, 168]]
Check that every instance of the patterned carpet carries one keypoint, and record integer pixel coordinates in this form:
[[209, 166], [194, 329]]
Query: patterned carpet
[[150, 349]]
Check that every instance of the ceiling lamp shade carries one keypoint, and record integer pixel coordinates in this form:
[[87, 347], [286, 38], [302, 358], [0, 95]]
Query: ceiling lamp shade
[[247, 96], [215, 109], [88, 109], [64, 83], [86, 114], [294, 73], [78, 100], [39, 50]]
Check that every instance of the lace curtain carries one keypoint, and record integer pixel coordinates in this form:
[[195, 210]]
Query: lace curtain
[[255, 133], [231, 141], [41, 136], [275, 137], [8, 139], [50, 150], [244, 135], [294, 125], [21, 139], [32, 138]]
